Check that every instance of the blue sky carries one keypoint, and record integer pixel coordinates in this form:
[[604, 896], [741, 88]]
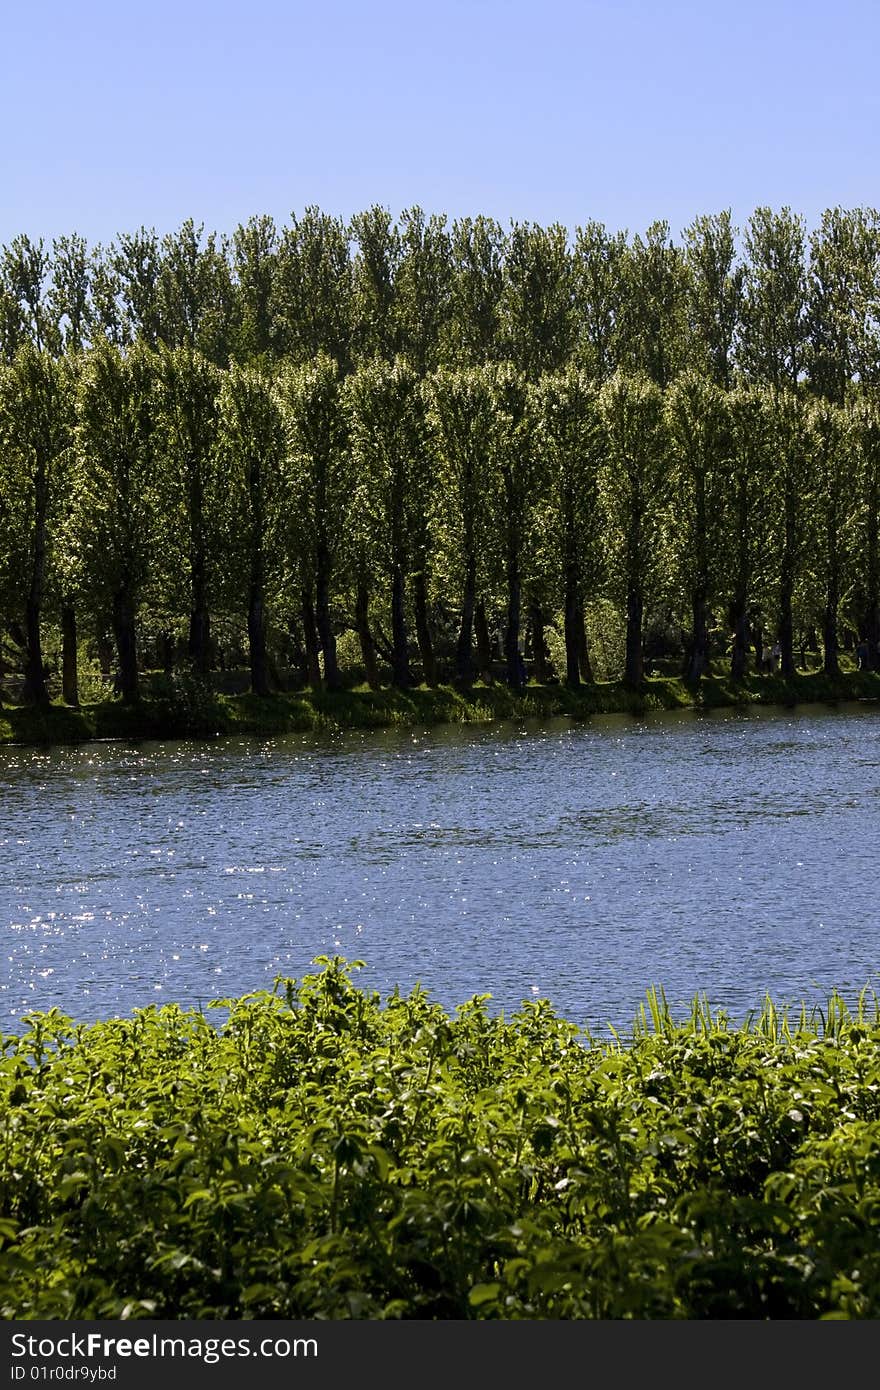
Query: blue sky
[[130, 113]]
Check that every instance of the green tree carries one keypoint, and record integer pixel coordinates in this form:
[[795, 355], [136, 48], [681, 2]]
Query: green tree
[[461, 408], [128, 288], [537, 302], [188, 408], [698, 437], [196, 300], [35, 441], [744, 555], [387, 433], [255, 263], [830, 517], [652, 336], [319, 489], [570, 442], [423, 282], [843, 309], [312, 299], [713, 293], [115, 496], [375, 307], [865, 433], [27, 308], [511, 498], [70, 292], [634, 488], [773, 339], [252, 445], [598, 288], [109, 319], [474, 329], [791, 486]]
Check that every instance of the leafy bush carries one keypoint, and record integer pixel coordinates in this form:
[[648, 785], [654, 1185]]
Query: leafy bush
[[184, 703], [324, 1154]]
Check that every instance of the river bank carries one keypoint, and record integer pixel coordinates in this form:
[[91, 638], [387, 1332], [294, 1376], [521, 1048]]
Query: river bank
[[178, 708]]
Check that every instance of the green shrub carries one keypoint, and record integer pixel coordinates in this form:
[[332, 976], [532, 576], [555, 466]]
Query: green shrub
[[323, 1154]]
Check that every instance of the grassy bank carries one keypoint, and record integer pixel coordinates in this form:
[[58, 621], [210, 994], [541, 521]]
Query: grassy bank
[[322, 1153], [179, 708]]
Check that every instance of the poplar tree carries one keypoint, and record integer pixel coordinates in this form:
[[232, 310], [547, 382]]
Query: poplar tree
[[830, 519], [744, 554], [598, 290], [713, 295], [387, 433], [570, 445], [475, 322], [634, 487], [772, 349], [319, 489], [115, 496], [698, 435], [312, 299], [460, 413], [865, 435], [253, 446], [35, 441], [195, 491]]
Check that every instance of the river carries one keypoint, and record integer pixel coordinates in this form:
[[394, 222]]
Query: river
[[732, 853]]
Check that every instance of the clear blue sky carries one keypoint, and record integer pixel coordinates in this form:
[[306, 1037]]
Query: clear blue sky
[[127, 113]]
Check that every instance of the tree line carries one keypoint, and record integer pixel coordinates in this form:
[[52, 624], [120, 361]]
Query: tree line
[[420, 432]]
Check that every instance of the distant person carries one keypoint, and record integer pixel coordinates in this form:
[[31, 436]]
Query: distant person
[[766, 658], [862, 655], [775, 657]]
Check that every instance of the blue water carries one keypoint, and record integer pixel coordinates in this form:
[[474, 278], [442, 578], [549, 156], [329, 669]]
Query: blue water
[[731, 854]]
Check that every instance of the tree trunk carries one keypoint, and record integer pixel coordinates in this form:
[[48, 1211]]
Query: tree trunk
[[739, 655], [401, 676], [872, 586], [573, 625], [540, 655], [69, 666], [786, 633], [634, 663], [104, 643], [586, 666], [35, 691], [830, 640], [365, 636], [257, 641], [484, 645], [786, 591], [423, 629], [786, 630], [199, 619], [126, 645], [464, 661], [872, 636], [698, 662], [199, 644], [739, 652], [166, 649], [310, 638], [515, 673], [322, 617]]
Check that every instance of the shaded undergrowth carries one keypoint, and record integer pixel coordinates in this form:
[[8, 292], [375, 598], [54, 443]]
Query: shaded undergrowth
[[180, 707]]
